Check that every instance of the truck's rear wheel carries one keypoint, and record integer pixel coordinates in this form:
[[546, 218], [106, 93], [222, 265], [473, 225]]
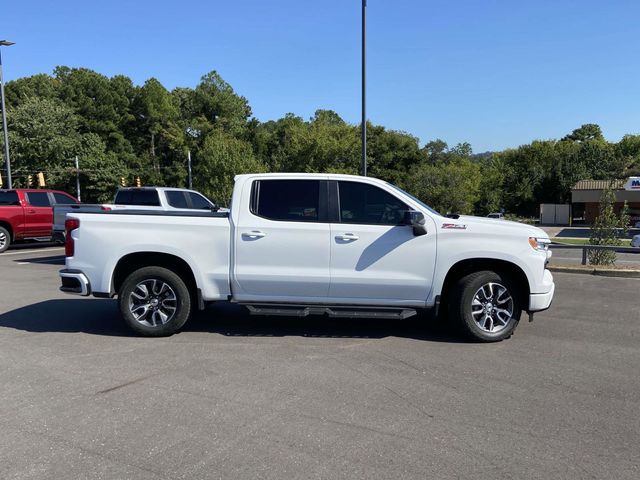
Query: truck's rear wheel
[[154, 301], [486, 306], [5, 239]]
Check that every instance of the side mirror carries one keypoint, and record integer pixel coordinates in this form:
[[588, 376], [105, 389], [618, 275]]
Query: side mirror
[[417, 221]]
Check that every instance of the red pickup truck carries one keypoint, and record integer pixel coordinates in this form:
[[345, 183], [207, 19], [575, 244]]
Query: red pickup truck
[[28, 213]]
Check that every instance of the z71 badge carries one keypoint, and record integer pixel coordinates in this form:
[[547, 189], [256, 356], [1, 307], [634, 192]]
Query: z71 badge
[[456, 226]]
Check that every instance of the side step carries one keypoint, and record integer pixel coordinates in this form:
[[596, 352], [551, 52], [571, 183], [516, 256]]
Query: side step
[[331, 311]]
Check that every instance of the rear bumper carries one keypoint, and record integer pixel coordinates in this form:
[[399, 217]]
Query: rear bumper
[[74, 281], [542, 301]]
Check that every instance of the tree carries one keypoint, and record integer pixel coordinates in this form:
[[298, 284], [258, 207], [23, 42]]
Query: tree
[[218, 104], [102, 105], [220, 159], [22, 89], [491, 185], [607, 228], [43, 134], [588, 131], [452, 187]]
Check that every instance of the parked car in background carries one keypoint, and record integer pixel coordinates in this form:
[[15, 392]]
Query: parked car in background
[[635, 241], [147, 198], [27, 213], [497, 215]]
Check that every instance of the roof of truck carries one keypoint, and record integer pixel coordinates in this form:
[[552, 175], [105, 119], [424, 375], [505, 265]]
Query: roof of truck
[[333, 176]]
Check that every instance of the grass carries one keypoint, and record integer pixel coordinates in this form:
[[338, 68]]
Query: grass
[[583, 241]]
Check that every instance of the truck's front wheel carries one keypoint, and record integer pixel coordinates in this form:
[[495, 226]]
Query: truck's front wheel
[[154, 301], [486, 306]]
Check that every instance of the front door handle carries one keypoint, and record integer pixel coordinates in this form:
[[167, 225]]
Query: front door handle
[[253, 234], [31, 211], [347, 236]]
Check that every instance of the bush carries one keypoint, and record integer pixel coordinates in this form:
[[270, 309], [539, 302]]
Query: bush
[[607, 229]]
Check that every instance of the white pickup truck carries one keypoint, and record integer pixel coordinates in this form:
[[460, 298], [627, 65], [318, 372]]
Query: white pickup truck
[[299, 244]]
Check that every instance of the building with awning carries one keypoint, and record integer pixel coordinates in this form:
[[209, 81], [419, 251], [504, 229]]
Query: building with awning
[[585, 198]]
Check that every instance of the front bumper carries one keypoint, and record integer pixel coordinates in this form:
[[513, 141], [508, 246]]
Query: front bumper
[[74, 281], [542, 301]]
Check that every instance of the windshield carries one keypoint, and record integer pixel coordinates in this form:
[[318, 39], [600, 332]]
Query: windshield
[[420, 202]]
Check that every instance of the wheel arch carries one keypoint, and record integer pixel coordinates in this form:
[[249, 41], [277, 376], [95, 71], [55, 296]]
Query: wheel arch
[[470, 265], [134, 261]]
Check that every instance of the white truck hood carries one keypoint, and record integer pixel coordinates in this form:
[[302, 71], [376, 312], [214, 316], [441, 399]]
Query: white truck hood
[[497, 225]]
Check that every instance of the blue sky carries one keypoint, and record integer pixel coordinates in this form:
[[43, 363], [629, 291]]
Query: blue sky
[[494, 73]]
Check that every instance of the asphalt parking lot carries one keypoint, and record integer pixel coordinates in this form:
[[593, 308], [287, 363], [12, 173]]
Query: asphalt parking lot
[[235, 396]]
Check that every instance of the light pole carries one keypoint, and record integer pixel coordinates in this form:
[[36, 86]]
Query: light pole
[[5, 43], [363, 127]]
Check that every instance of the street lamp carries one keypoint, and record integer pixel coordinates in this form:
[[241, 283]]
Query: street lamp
[[5, 43]]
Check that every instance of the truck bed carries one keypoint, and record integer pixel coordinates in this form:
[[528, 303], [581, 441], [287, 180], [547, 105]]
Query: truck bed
[[107, 238]]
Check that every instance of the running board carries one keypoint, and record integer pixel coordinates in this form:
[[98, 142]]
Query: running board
[[331, 311]]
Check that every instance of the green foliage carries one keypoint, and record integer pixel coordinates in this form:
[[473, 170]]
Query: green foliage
[[220, 159], [492, 178], [448, 186], [587, 132], [607, 229], [119, 129]]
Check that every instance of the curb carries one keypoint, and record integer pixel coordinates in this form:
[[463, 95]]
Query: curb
[[603, 272]]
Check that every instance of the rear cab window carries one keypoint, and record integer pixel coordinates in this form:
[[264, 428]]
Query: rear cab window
[[287, 200], [147, 198], [9, 198]]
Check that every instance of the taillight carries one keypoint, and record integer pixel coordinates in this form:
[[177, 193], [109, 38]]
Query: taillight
[[70, 225]]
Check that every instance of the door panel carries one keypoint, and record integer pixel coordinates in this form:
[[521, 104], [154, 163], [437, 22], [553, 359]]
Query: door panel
[[281, 246], [38, 215], [373, 254], [381, 262]]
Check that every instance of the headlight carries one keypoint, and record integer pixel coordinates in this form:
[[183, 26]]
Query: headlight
[[541, 244]]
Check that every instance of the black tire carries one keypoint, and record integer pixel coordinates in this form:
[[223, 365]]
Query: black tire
[[5, 239], [476, 316], [174, 301]]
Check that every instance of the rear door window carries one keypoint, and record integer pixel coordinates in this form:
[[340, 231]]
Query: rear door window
[[38, 199], [9, 198], [287, 200], [147, 198], [176, 199]]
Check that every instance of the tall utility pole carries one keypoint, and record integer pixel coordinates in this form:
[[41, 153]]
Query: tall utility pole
[[363, 125], [78, 179], [189, 166], [5, 43]]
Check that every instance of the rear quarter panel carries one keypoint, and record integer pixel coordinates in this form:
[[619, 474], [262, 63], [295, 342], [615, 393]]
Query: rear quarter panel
[[202, 242]]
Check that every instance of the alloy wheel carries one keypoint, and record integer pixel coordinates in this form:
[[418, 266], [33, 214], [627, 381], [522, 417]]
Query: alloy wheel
[[153, 302], [492, 307]]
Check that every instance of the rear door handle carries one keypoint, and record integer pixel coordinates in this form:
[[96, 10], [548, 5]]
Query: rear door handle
[[31, 211], [253, 234], [347, 236]]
